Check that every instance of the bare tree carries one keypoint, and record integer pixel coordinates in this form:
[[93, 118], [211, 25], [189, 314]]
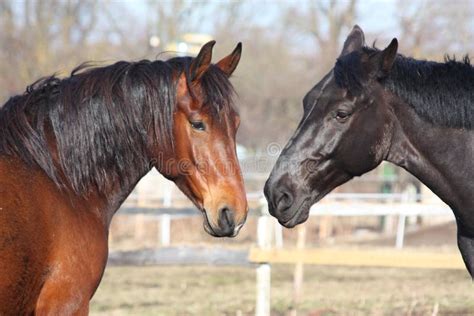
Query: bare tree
[[325, 22], [430, 29], [288, 46], [42, 37]]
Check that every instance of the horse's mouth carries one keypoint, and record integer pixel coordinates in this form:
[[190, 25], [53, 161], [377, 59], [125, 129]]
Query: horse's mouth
[[301, 215], [211, 231], [303, 210], [207, 225]]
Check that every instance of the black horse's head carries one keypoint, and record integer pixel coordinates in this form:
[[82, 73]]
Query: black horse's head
[[345, 131]]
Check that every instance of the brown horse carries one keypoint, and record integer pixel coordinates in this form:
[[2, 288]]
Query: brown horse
[[377, 105], [71, 151]]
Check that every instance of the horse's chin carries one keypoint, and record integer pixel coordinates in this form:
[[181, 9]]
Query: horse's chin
[[300, 214], [299, 218], [207, 226], [215, 232], [302, 211], [208, 229]]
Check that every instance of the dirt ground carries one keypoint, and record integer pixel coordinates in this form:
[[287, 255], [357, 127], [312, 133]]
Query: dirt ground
[[208, 290]]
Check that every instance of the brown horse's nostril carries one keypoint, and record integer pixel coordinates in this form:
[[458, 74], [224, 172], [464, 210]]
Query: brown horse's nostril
[[226, 221]]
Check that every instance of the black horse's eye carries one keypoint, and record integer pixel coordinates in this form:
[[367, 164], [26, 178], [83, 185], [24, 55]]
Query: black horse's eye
[[198, 125], [342, 115]]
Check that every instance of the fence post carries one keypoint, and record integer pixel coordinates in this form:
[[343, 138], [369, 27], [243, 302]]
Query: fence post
[[278, 229], [400, 231], [168, 195], [165, 234], [263, 290], [263, 270], [406, 197], [298, 274]]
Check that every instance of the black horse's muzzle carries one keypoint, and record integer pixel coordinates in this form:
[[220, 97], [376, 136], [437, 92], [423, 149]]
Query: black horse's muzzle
[[289, 208]]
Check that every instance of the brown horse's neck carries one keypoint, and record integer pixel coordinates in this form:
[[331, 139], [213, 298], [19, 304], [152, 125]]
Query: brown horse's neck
[[103, 205], [114, 198], [439, 157]]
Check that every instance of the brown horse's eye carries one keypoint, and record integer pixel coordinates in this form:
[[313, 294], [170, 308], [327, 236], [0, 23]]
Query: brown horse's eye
[[198, 125]]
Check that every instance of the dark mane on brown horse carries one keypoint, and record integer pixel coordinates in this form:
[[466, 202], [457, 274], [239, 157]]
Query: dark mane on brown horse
[[441, 93], [87, 118]]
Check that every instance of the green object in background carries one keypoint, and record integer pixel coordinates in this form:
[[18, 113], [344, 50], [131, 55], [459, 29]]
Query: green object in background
[[388, 172], [388, 177]]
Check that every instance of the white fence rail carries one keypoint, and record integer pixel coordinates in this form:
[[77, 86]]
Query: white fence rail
[[336, 204]]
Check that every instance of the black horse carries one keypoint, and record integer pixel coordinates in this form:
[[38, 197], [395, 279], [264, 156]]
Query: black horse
[[377, 105]]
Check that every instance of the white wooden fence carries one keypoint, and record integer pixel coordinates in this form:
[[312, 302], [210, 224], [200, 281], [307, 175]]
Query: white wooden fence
[[269, 232], [336, 204], [394, 205]]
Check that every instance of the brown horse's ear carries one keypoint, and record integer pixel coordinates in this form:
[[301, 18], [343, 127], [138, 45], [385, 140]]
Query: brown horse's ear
[[383, 61], [354, 41], [230, 62], [201, 63]]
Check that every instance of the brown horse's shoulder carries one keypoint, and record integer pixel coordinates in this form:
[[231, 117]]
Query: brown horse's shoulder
[[10, 183], [44, 238], [24, 247], [12, 170]]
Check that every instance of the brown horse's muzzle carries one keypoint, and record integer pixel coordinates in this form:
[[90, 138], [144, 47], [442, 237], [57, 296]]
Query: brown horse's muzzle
[[225, 211]]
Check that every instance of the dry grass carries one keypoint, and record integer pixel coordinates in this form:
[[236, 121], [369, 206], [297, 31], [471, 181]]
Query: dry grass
[[203, 290]]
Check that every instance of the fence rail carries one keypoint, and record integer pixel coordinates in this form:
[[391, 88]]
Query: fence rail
[[335, 204], [361, 258]]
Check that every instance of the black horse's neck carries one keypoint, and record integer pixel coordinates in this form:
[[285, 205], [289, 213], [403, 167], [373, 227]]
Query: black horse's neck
[[440, 157], [434, 131]]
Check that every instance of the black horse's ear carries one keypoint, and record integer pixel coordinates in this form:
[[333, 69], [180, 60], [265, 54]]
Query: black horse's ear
[[230, 62], [388, 55], [354, 41], [201, 63], [383, 61]]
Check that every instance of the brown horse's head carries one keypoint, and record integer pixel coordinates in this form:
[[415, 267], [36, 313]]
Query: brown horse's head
[[204, 162], [345, 131]]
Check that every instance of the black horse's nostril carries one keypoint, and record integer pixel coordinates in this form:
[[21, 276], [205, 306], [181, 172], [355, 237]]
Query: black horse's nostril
[[278, 193], [226, 221], [284, 200]]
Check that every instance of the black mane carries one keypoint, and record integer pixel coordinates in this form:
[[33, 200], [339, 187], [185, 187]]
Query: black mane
[[441, 93], [92, 128]]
